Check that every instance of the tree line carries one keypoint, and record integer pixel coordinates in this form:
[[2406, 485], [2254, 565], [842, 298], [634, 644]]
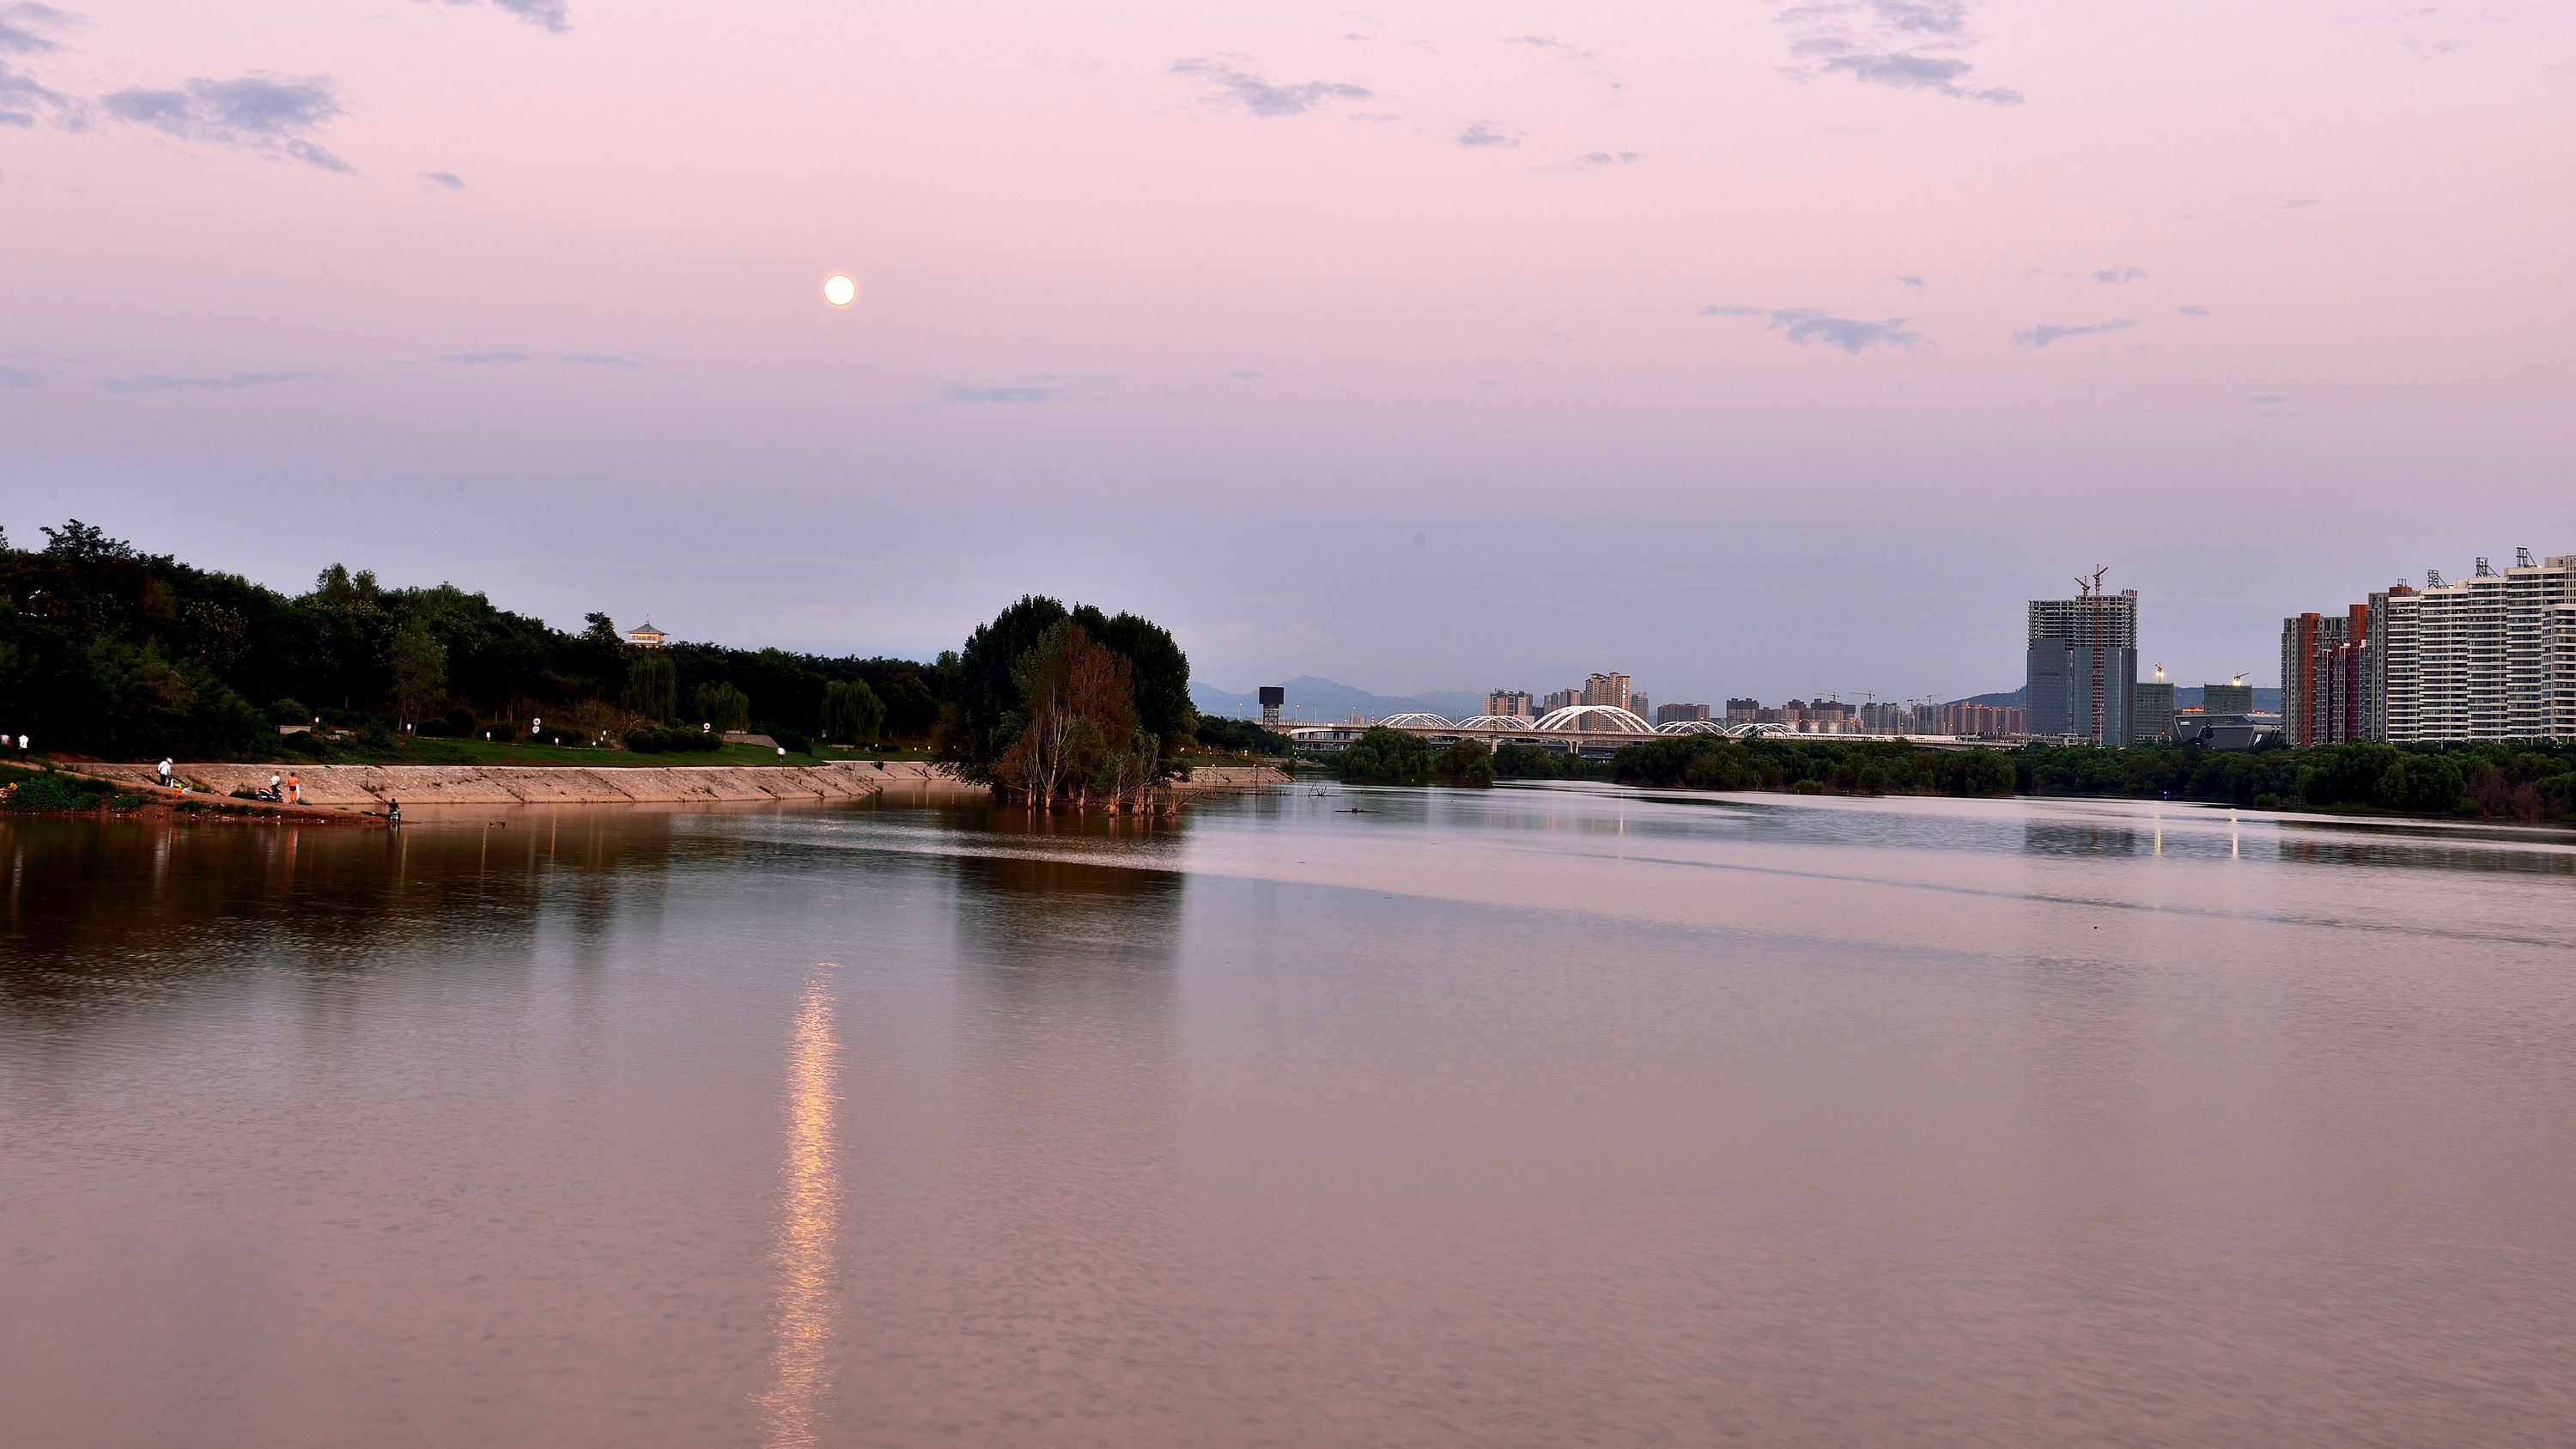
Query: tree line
[[109, 651]]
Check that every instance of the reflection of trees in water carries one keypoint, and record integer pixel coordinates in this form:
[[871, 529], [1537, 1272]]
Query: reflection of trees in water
[[2428, 857], [2058, 837], [98, 910]]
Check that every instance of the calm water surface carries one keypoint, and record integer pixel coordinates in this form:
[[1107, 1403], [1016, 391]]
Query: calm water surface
[[1538, 1117]]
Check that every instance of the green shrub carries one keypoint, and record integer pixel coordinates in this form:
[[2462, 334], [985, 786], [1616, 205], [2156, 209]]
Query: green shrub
[[1381, 756], [648, 739], [1467, 762], [288, 711], [55, 792], [792, 742]]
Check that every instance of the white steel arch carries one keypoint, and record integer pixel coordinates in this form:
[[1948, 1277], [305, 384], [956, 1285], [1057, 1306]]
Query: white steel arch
[[1497, 722], [1612, 720], [1692, 727], [1417, 720]]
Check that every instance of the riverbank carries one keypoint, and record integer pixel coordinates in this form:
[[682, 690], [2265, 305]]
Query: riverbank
[[367, 787]]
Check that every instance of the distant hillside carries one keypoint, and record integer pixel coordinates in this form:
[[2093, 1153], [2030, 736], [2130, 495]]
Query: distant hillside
[[1329, 699]]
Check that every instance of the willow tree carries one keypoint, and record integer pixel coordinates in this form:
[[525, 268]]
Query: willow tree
[[723, 707], [851, 713], [652, 685]]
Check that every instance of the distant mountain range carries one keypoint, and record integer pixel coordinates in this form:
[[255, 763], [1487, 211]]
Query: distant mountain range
[[1312, 698], [2266, 701], [1327, 699]]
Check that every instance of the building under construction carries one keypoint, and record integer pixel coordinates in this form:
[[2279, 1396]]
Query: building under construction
[[2083, 665]]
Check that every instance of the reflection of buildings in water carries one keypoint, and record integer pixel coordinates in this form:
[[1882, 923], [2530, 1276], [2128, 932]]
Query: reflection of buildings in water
[[808, 1220]]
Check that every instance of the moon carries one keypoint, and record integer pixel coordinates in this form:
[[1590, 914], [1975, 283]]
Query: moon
[[839, 290]]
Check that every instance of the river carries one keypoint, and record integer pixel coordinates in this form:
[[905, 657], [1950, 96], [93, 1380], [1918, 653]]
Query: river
[[1542, 1116]]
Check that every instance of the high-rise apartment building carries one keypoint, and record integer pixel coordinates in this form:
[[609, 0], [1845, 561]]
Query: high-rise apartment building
[[1643, 706], [1509, 701], [1743, 711], [1679, 713], [2491, 657], [2325, 674], [1557, 699], [2217, 700], [1606, 689], [2155, 708], [2082, 667]]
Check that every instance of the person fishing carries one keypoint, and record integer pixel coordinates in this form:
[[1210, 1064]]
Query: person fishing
[[167, 783]]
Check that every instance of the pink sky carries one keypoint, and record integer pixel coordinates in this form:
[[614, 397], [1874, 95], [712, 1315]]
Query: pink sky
[[1158, 310]]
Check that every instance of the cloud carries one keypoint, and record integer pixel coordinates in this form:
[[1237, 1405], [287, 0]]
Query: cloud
[[259, 113], [1242, 374], [20, 377], [448, 179], [1597, 159], [1886, 43], [622, 361], [1907, 71], [21, 28], [483, 359], [2048, 332], [549, 15], [164, 382], [20, 94], [1911, 279], [2120, 274], [2188, 310], [1236, 86], [2267, 397], [975, 395], [2300, 202], [1479, 135], [1803, 325]]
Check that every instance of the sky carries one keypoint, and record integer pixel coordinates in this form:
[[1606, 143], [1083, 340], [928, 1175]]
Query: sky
[[1745, 348]]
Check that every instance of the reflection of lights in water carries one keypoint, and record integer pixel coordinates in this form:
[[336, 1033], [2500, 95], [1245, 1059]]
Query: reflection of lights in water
[[808, 1215]]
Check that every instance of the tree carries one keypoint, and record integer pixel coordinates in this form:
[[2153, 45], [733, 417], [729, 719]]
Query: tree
[[1074, 715], [2424, 784], [852, 713], [1381, 756], [723, 708], [1467, 762], [78, 542], [652, 686], [420, 672]]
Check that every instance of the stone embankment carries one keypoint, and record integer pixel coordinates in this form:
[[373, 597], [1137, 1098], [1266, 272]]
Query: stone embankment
[[366, 787]]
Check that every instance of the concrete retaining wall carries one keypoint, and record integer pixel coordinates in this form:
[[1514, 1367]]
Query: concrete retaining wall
[[367, 786]]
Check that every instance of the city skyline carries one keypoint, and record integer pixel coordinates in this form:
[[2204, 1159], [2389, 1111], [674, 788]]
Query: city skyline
[[1425, 346]]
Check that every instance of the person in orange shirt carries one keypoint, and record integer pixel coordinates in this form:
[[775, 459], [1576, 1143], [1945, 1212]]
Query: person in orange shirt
[[295, 789]]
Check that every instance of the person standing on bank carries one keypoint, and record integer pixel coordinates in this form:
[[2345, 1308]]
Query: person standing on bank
[[166, 782]]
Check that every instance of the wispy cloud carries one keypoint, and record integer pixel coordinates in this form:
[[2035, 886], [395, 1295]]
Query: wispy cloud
[[1910, 279], [2298, 202], [2188, 310], [1895, 43], [1232, 85], [167, 382], [21, 95], [27, 28], [621, 361], [1802, 325], [977, 394], [256, 112], [2267, 397], [2048, 332], [20, 377], [1599, 159], [1479, 136], [2120, 274], [483, 359], [548, 15], [1550, 43], [448, 179]]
